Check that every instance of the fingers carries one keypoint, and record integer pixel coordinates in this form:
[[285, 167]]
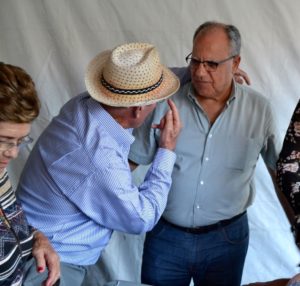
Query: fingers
[[53, 272], [40, 262], [170, 127], [239, 79], [241, 76], [53, 266], [247, 78], [160, 125], [46, 257], [38, 252], [175, 116], [175, 113]]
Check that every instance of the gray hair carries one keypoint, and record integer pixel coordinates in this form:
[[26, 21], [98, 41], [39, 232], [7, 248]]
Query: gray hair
[[231, 31]]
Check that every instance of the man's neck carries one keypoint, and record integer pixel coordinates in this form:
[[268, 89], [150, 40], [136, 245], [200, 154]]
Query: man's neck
[[213, 106], [119, 114]]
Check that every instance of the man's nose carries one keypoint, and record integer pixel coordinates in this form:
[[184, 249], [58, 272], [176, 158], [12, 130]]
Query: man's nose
[[200, 69]]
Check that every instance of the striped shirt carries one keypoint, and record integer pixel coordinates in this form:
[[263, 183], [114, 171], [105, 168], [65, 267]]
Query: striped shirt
[[15, 235], [77, 187]]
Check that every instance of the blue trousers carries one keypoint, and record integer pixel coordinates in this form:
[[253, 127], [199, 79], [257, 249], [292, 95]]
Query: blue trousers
[[173, 257]]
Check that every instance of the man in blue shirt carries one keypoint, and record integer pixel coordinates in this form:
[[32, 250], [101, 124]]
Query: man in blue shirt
[[203, 234], [76, 186]]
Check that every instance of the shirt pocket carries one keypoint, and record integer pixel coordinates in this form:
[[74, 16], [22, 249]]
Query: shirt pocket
[[242, 152]]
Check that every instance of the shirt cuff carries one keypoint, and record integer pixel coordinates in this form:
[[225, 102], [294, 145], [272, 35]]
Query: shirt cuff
[[164, 159]]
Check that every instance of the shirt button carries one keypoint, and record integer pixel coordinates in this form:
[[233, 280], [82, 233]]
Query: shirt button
[[206, 159], [198, 207], [210, 135], [201, 182]]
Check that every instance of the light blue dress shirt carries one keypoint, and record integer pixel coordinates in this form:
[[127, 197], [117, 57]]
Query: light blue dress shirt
[[214, 169], [77, 186]]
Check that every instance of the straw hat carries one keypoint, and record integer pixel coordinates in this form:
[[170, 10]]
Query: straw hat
[[130, 75]]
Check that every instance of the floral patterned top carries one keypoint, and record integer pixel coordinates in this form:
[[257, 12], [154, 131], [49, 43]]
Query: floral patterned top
[[288, 165]]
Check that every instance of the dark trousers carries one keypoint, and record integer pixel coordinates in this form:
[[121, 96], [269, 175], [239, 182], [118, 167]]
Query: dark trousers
[[173, 257]]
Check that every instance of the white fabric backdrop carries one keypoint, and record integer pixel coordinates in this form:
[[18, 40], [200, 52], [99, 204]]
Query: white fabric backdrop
[[55, 39]]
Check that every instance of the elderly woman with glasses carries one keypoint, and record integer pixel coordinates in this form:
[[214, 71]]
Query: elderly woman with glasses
[[19, 106]]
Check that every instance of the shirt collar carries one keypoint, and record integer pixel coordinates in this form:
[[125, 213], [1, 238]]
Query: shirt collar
[[192, 96], [121, 135]]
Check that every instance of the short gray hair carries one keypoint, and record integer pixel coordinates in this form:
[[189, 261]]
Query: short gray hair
[[231, 31]]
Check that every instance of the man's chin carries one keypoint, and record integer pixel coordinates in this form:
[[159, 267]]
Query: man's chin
[[205, 94]]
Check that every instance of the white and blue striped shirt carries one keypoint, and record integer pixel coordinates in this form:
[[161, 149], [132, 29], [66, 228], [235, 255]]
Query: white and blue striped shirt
[[77, 186]]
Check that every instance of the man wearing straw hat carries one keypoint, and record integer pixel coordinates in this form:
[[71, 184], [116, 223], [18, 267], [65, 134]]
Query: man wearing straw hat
[[76, 186]]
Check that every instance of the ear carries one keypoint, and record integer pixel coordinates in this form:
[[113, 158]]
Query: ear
[[136, 111], [236, 63]]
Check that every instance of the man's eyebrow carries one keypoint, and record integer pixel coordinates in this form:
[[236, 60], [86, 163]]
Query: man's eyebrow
[[12, 138], [6, 137]]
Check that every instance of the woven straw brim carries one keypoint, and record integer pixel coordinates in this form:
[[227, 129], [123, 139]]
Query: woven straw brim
[[168, 87]]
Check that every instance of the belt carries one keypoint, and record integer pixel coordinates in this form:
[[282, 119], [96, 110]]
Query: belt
[[205, 228]]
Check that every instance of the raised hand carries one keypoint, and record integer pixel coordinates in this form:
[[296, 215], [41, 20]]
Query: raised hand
[[170, 126], [46, 256], [241, 76]]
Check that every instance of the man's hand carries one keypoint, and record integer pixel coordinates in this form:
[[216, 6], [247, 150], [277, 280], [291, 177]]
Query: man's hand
[[241, 76], [170, 126], [46, 256]]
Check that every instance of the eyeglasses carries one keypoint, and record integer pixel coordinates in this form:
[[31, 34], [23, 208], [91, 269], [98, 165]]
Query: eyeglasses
[[209, 66], [21, 143]]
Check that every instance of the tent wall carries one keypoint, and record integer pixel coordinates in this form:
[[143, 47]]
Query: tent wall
[[55, 39]]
